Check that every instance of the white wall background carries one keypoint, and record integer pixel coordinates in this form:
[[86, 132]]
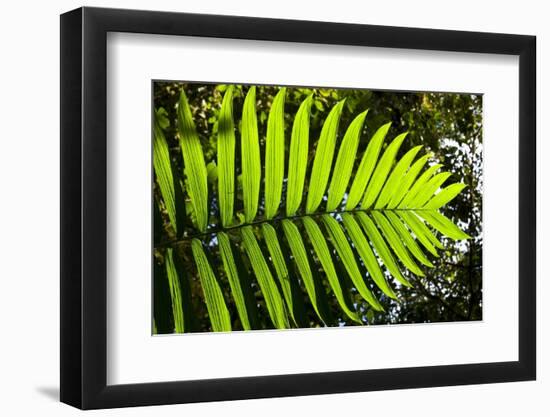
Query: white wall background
[[29, 225]]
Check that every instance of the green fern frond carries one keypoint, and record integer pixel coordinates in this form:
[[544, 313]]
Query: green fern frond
[[379, 222]]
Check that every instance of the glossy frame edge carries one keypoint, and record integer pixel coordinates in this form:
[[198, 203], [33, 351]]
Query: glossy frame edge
[[83, 288]]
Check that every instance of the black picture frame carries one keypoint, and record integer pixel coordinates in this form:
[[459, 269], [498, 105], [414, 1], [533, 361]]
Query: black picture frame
[[84, 207]]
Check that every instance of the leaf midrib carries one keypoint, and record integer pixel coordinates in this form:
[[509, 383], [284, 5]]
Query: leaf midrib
[[280, 219]]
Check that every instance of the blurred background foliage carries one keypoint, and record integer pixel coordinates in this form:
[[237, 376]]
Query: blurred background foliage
[[448, 125]]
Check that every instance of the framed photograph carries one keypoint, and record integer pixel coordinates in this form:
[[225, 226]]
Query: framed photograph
[[256, 208]]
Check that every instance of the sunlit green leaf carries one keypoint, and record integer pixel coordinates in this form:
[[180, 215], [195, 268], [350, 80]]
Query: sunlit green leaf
[[276, 254], [250, 156], [444, 196], [163, 171], [396, 178], [381, 172], [320, 246], [275, 155], [193, 158], [344, 162], [213, 294], [405, 184], [395, 242], [301, 258], [381, 247], [175, 292], [418, 186], [421, 231], [406, 237], [442, 224], [322, 164], [297, 162], [393, 229], [366, 167], [238, 288], [226, 158], [345, 253], [429, 189], [363, 248], [274, 302]]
